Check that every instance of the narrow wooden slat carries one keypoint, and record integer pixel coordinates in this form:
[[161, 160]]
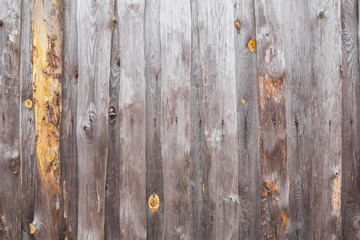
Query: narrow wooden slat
[[199, 160], [273, 125], [132, 120], [95, 26], [68, 145], [10, 213], [27, 121], [298, 55], [217, 59], [326, 118], [47, 69], [350, 191], [112, 200], [249, 183], [175, 28]]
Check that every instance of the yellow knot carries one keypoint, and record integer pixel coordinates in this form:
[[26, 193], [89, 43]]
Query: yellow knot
[[154, 202], [32, 228], [203, 187], [28, 103], [45, 90], [50, 156], [243, 101], [252, 45]]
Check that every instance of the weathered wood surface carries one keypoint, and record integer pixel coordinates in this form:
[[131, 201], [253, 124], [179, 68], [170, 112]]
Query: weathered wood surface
[[154, 119]]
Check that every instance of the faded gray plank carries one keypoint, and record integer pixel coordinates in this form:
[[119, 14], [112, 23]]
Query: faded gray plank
[[10, 213], [27, 138], [132, 120], [68, 213], [350, 191], [249, 183], [326, 118], [175, 26], [95, 25], [297, 39], [273, 125], [220, 119]]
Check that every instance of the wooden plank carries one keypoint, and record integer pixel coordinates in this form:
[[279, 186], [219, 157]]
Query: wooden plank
[[153, 147], [273, 125], [298, 55], [217, 57], [350, 193], [199, 160], [95, 25], [249, 183], [47, 69], [68, 145], [175, 29], [326, 119], [132, 120], [27, 123], [112, 200], [10, 213]]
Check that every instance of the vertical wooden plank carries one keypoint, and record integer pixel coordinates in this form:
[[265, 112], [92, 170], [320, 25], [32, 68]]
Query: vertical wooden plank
[[10, 213], [326, 119], [132, 120], [95, 25], [112, 200], [273, 136], [350, 191], [220, 119], [27, 127], [47, 70], [199, 160], [249, 184], [153, 147], [68, 145], [297, 39], [175, 26]]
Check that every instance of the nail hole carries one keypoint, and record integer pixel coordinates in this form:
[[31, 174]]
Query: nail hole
[[321, 14], [76, 76], [1, 23], [118, 62]]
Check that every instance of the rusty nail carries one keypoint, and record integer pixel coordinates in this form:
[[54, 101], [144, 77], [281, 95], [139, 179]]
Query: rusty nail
[[84, 128], [76, 76], [237, 25], [43, 118]]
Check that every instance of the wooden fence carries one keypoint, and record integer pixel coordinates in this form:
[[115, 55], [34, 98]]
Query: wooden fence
[[179, 119]]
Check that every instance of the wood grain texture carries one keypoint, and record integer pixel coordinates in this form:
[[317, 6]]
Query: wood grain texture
[[112, 200], [326, 119], [175, 29], [273, 125], [10, 195], [68, 214], [249, 183], [216, 49], [132, 120], [27, 124], [349, 70], [153, 147], [297, 92], [95, 25]]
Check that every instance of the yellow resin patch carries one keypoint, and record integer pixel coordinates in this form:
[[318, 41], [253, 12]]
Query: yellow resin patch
[[243, 101], [47, 69], [252, 45], [154, 202], [32, 228], [28, 103]]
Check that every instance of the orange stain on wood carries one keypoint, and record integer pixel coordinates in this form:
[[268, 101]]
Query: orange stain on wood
[[336, 195], [252, 45], [284, 217], [269, 186]]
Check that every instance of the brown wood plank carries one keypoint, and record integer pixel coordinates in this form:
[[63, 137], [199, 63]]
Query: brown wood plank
[[273, 125], [95, 26], [27, 138], [298, 54], [132, 120], [68, 216], [219, 99], [175, 28], [199, 160], [47, 70], [10, 49], [350, 191], [249, 183], [112, 200], [326, 118]]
